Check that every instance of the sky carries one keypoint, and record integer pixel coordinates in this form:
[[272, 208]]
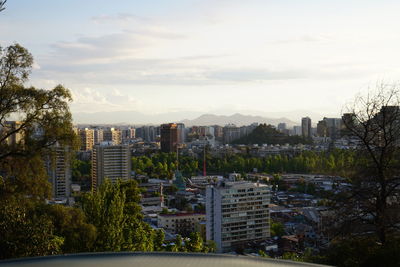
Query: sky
[[257, 57]]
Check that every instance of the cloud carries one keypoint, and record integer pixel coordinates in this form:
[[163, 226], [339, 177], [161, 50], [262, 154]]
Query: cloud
[[306, 38], [248, 75], [118, 18], [91, 100]]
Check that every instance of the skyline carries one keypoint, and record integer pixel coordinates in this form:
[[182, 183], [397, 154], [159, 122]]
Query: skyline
[[196, 57]]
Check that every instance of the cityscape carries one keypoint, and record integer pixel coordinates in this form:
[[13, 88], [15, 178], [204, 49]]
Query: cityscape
[[189, 174]]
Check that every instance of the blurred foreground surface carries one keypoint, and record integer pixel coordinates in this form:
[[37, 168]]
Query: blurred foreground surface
[[150, 260]]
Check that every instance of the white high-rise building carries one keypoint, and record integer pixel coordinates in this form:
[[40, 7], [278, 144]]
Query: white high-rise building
[[237, 213]]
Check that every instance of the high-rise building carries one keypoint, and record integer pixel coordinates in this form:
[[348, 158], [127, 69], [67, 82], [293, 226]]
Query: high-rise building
[[149, 133], [169, 137], [58, 165], [333, 126], [306, 127], [98, 136], [87, 139], [322, 129], [110, 161], [181, 133], [113, 135], [237, 213], [231, 132], [128, 134], [282, 127], [15, 138]]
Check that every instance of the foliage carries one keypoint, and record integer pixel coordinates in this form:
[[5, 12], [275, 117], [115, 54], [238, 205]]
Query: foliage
[[43, 116], [335, 162], [194, 243], [71, 224], [267, 134], [43, 120], [359, 251], [80, 169], [2, 3], [370, 205], [277, 229], [24, 232]]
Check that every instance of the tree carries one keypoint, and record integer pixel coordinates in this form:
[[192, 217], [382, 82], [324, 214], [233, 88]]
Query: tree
[[115, 212], [277, 229], [43, 116], [41, 119], [194, 243], [370, 204], [71, 224], [24, 232], [2, 3]]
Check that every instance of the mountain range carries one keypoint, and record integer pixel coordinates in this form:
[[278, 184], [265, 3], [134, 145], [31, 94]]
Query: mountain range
[[237, 119], [137, 118]]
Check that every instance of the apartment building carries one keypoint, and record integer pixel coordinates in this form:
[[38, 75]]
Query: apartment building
[[110, 161], [180, 223], [237, 213]]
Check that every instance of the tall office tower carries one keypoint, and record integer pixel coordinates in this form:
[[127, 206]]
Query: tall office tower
[[87, 139], [348, 120], [15, 138], [58, 165], [231, 132], [128, 134], [98, 136], [113, 135], [296, 130], [139, 132], [218, 132], [306, 127], [333, 126], [169, 137], [181, 133], [282, 127], [110, 161], [237, 213], [243, 131], [149, 133]]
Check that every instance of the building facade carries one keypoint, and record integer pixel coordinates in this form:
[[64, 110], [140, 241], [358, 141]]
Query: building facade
[[110, 161], [169, 137], [180, 223], [58, 165], [87, 139], [112, 135], [237, 213], [306, 127]]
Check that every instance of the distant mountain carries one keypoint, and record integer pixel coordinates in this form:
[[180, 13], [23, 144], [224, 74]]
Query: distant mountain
[[237, 119], [130, 117], [192, 118]]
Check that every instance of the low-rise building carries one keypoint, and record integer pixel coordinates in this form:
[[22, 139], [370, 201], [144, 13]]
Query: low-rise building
[[180, 223]]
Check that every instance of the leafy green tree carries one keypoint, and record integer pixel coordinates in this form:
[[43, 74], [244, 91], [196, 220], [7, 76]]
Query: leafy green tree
[[25, 233], [115, 212], [194, 243], [277, 229], [105, 210], [267, 134], [159, 239], [71, 224]]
